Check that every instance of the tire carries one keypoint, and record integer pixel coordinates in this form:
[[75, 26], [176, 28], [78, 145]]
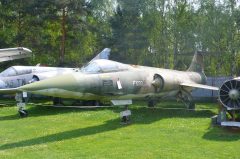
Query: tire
[[57, 101], [151, 103], [23, 113], [191, 105]]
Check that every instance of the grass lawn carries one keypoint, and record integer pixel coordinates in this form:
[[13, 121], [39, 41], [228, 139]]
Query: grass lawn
[[51, 132]]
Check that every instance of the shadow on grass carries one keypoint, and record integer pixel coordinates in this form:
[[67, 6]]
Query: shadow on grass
[[36, 111], [140, 116], [217, 133]]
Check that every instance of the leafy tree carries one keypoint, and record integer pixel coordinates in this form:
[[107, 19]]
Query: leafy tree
[[161, 33]]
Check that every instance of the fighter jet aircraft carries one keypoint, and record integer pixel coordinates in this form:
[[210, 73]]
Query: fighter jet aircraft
[[17, 76], [107, 80]]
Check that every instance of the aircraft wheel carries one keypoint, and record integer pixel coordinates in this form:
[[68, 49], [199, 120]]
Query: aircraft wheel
[[97, 103], [66, 102], [151, 103], [23, 113], [57, 101], [191, 105], [186, 98], [90, 103]]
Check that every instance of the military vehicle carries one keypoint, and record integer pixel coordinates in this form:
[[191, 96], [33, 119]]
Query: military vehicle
[[106, 80]]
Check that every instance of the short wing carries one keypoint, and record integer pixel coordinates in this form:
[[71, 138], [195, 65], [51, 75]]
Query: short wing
[[10, 91], [9, 54], [195, 85]]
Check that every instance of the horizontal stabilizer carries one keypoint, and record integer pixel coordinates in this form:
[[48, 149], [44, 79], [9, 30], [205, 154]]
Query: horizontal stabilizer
[[195, 85]]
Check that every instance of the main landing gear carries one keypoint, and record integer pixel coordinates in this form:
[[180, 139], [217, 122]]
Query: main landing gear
[[186, 98], [151, 103], [21, 99], [125, 116]]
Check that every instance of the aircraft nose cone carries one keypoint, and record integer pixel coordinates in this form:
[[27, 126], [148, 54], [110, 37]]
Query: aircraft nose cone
[[66, 81]]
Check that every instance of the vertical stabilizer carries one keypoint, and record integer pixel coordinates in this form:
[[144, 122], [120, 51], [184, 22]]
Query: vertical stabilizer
[[104, 54], [197, 64]]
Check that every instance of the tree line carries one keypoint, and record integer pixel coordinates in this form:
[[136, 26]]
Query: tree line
[[160, 33]]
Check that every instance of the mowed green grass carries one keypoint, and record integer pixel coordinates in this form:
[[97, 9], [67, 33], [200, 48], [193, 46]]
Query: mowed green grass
[[51, 132]]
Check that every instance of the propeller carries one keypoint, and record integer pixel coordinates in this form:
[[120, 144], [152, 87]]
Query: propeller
[[229, 94]]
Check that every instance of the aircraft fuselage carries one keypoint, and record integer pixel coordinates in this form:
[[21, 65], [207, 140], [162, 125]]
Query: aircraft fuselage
[[133, 83]]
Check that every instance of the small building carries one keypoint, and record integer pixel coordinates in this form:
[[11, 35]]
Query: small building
[[201, 94]]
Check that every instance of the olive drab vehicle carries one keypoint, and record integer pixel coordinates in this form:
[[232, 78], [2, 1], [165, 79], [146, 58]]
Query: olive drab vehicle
[[106, 80]]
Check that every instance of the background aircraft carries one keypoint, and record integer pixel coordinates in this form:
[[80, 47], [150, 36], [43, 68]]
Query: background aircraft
[[9, 54], [106, 80], [17, 76]]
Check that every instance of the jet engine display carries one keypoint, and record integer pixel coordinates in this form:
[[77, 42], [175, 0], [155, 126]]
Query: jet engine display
[[229, 94]]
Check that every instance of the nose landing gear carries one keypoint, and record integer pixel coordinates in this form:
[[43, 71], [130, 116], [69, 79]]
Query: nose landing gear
[[22, 112], [125, 116], [21, 99]]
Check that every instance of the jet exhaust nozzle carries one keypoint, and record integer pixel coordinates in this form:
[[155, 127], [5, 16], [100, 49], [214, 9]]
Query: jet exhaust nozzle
[[229, 94]]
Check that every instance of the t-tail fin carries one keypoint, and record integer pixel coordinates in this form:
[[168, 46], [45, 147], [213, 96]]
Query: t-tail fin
[[197, 64]]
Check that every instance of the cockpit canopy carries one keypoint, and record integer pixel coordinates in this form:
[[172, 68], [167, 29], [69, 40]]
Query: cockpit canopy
[[8, 72], [16, 70], [104, 66]]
